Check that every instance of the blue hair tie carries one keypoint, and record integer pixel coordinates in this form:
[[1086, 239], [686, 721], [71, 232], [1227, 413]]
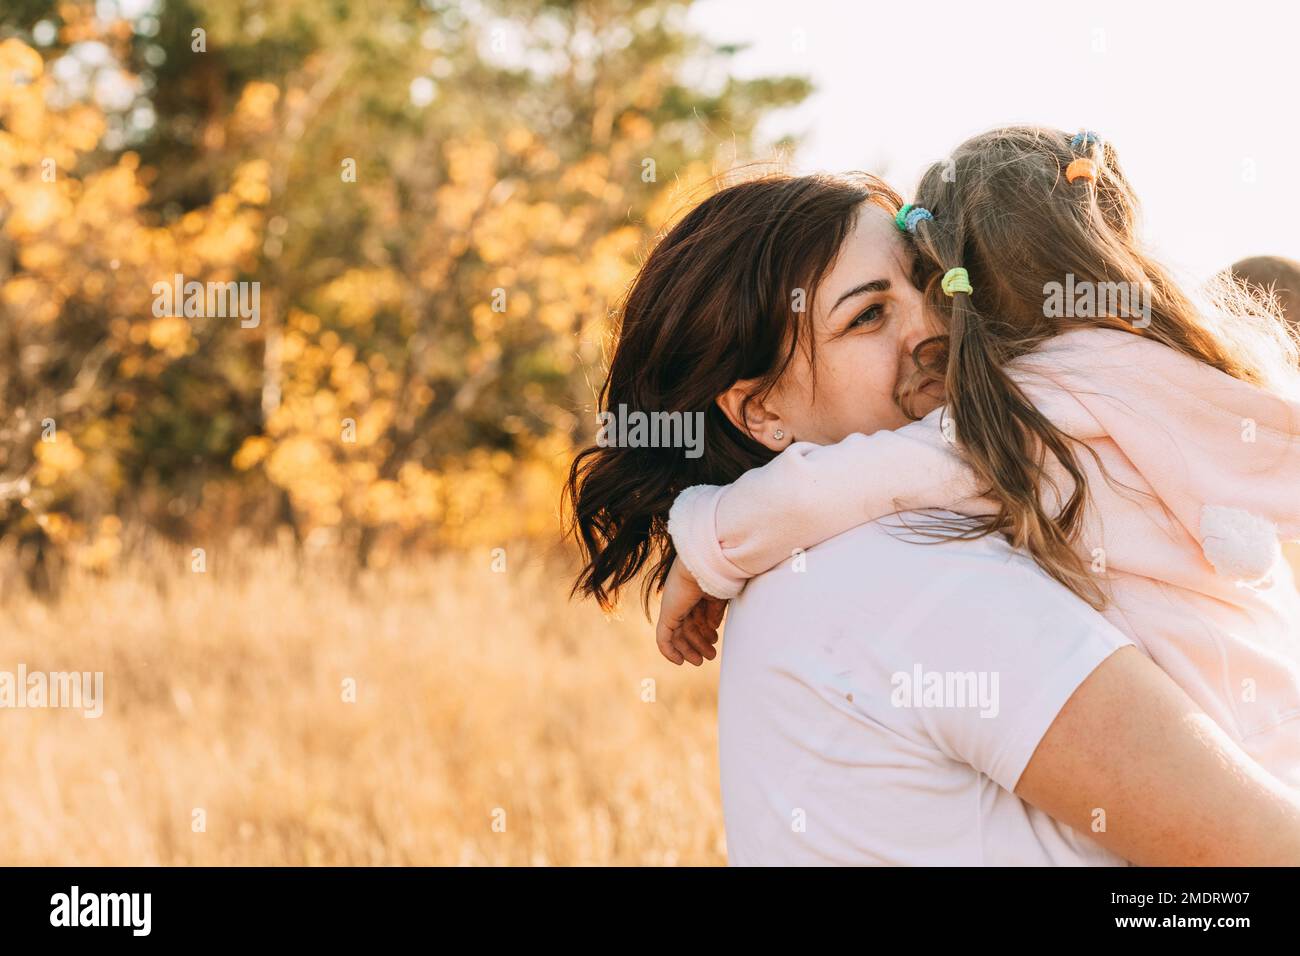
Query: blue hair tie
[[909, 216], [1085, 139]]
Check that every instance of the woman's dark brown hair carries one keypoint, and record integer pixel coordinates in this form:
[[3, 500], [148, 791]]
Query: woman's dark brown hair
[[725, 295]]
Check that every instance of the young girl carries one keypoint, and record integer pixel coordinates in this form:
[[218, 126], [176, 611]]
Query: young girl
[[1146, 452]]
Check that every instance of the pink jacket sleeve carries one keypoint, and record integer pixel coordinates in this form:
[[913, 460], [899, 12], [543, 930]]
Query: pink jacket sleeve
[[809, 493]]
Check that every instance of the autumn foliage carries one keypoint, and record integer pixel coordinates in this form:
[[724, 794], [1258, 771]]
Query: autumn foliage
[[439, 210]]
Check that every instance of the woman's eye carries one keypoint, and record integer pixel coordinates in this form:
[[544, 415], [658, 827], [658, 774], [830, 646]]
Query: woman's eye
[[872, 314]]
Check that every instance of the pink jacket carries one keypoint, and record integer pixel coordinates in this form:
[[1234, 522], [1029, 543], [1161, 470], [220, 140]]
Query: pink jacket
[[1188, 551]]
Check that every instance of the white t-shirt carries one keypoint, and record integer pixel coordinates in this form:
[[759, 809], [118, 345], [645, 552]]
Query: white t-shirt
[[879, 706]]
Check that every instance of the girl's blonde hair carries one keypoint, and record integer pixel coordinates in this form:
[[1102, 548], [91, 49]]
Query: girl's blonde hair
[[1004, 210]]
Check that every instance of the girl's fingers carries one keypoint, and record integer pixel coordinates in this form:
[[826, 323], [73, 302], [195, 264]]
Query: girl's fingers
[[709, 630], [666, 628], [672, 641], [685, 649], [698, 638], [667, 650], [714, 608]]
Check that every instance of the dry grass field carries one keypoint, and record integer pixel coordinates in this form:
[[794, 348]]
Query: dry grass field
[[482, 698]]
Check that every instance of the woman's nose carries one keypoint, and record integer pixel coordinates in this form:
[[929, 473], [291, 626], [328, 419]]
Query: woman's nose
[[916, 329]]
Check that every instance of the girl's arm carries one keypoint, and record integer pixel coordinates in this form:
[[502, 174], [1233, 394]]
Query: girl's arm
[[809, 493]]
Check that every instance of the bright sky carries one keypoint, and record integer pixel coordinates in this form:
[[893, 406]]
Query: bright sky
[[1199, 99]]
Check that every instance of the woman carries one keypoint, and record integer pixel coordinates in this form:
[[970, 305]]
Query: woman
[[757, 300]]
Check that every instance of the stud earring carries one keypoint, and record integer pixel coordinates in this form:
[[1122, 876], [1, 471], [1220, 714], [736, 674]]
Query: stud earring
[[778, 434]]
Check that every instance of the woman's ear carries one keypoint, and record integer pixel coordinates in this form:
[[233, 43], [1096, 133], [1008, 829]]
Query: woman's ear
[[754, 415]]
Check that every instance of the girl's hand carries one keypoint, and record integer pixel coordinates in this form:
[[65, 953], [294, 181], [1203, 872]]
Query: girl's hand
[[687, 627]]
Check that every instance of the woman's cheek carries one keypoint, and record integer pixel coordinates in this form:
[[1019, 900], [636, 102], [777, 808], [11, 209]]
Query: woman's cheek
[[877, 381]]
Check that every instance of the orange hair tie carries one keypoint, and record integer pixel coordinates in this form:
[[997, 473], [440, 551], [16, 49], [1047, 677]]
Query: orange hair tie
[[1081, 169]]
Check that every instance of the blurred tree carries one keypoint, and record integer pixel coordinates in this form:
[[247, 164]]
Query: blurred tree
[[81, 349], [440, 203]]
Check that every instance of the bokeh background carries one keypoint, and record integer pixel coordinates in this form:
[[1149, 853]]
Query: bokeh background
[[319, 560]]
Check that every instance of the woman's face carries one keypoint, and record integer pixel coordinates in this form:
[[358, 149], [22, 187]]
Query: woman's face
[[867, 318]]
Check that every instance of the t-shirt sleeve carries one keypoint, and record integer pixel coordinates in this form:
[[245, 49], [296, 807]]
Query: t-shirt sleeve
[[1010, 648]]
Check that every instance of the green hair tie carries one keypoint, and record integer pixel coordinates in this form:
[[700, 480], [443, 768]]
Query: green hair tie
[[907, 217], [956, 280]]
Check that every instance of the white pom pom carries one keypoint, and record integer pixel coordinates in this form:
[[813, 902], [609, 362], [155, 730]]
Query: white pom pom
[[1241, 546]]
